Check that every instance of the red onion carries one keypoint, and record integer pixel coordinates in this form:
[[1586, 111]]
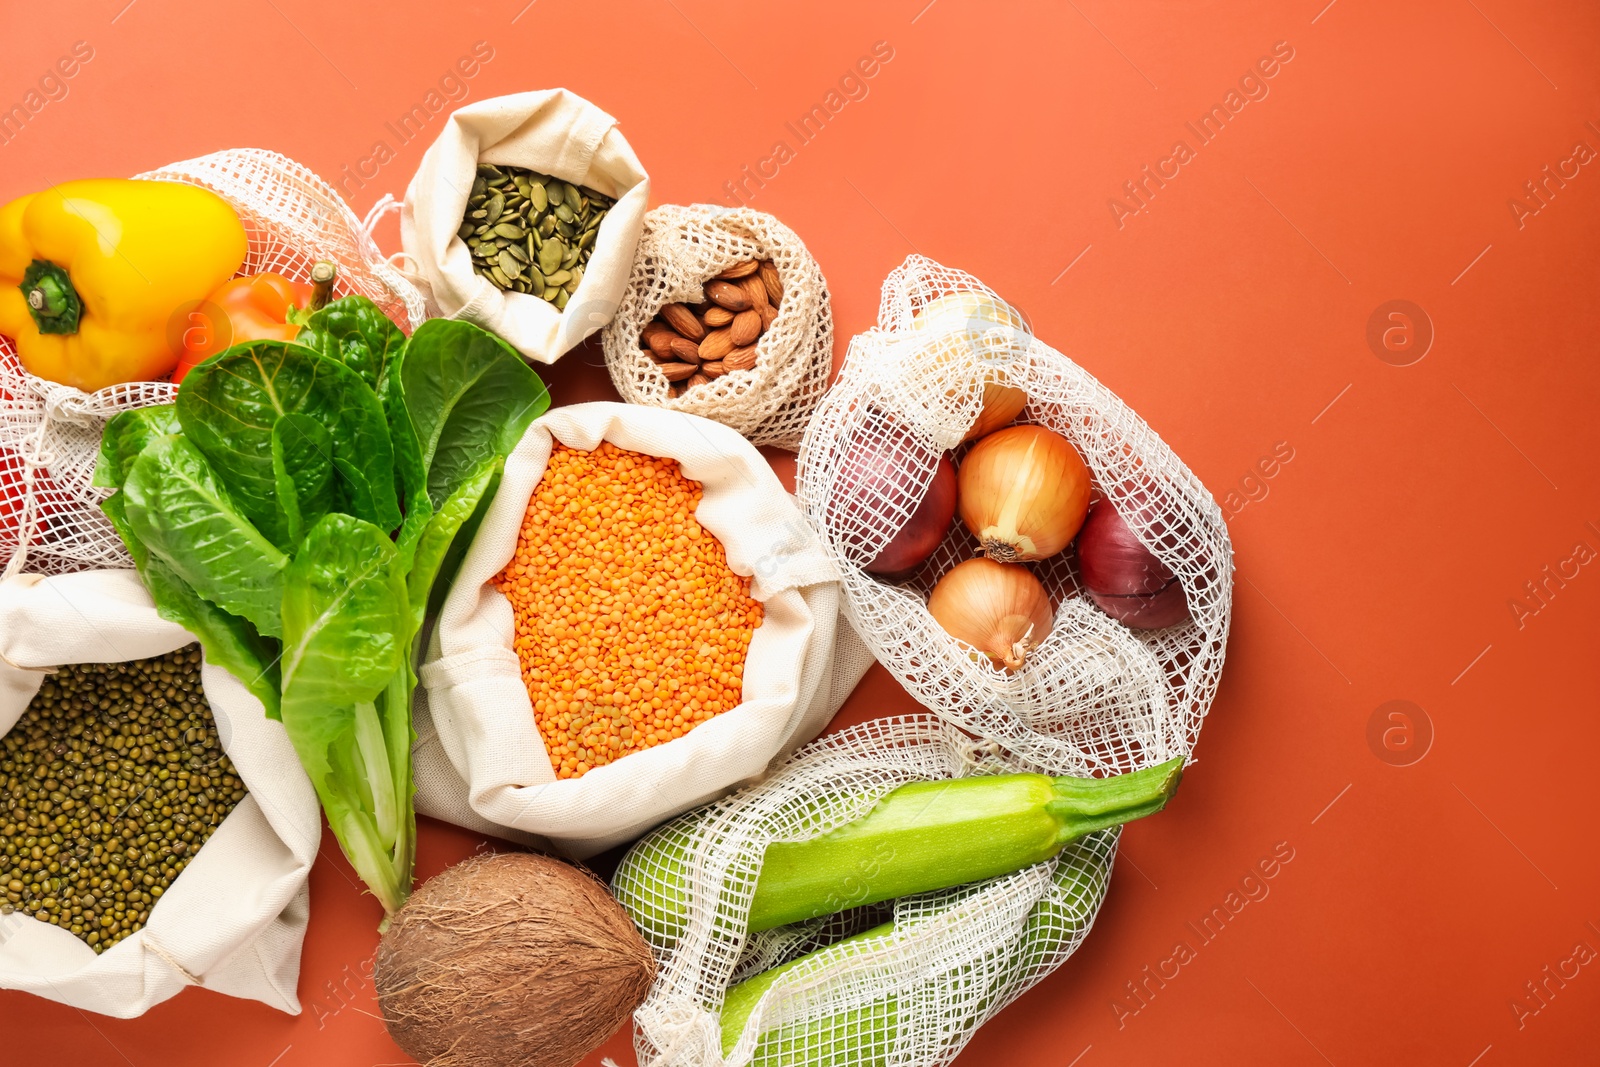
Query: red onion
[[874, 474], [1124, 578]]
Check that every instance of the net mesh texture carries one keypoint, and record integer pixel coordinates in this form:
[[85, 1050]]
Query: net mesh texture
[[50, 518], [681, 249], [1096, 697], [954, 959]]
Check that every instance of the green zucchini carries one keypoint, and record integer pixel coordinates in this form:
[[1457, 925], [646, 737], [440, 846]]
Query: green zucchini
[[920, 837], [865, 1036]]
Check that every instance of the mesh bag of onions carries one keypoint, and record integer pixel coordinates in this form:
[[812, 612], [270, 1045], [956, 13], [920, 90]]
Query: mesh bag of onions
[[1089, 658], [911, 995], [791, 353], [50, 519]]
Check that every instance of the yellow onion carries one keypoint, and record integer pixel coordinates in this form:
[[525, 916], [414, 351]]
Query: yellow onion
[[964, 314], [1023, 492], [998, 608]]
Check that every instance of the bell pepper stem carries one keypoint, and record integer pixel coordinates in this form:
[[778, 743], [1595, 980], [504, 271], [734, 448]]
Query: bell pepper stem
[[323, 274], [52, 300]]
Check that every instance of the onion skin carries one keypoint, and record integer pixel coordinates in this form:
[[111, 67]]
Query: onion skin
[[874, 474], [998, 608], [1124, 578], [1001, 406], [1023, 492], [976, 311]]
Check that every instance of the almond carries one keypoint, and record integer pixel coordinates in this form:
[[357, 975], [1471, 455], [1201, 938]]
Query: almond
[[714, 369], [740, 358], [698, 379], [730, 295], [715, 316], [677, 372], [718, 343], [741, 270], [768, 313], [746, 327], [769, 278], [657, 336], [755, 291], [682, 319], [685, 349]]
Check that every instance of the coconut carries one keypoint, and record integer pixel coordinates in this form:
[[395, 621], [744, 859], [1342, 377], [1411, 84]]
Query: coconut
[[506, 959]]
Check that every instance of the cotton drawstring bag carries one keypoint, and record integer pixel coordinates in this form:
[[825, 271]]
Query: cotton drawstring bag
[[478, 713], [552, 131], [50, 518], [955, 958], [234, 919], [681, 249], [1096, 696]]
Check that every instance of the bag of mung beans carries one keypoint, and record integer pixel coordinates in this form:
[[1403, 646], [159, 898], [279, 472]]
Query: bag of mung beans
[[156, 829], [557, 134], [569, 726]]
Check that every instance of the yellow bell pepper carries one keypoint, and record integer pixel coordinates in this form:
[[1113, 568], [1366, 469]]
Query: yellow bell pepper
[[96, 275]]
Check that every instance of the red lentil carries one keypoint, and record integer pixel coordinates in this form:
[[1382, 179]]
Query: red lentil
[[631, 628]]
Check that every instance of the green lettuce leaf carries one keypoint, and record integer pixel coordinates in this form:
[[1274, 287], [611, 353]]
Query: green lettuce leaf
[[302, 467], [127, 434], [228, 641], [355, 332], [229, 405], [469, 396], [178, 510], [346, 639]]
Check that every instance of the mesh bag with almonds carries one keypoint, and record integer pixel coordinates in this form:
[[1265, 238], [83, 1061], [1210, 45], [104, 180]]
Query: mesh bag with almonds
[[50, 518], [1095, 696], [913, 996], [684, 341]]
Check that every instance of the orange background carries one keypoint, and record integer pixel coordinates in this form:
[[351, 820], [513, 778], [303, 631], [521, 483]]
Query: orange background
[[1380, 562]]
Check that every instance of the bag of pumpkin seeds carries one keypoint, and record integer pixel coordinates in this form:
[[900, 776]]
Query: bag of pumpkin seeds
[[156, 829], [523, 218], [843, 989]]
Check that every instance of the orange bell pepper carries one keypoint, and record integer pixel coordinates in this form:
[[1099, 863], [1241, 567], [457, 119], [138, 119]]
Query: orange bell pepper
[[253, 308]]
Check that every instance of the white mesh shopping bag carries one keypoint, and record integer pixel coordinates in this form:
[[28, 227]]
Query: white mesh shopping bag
[[50, 519], [912, 995], [1095, 697], [681, 249]]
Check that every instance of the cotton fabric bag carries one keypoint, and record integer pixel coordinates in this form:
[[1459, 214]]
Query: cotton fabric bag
[[478, 715], [1096, 697], [681, 249], [234, 920], [554, 132], [50, 518], [956, 958]]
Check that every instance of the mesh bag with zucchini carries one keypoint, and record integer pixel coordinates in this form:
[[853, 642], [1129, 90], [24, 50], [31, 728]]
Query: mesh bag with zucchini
[[875, 901], [1061, 586]]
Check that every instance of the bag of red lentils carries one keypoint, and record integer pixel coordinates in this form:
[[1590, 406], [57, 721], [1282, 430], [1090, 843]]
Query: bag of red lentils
[[648, 627], [163, 827]]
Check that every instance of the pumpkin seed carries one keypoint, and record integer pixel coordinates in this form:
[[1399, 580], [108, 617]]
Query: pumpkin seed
[[530, 232], [550, 255], [561, 299]]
